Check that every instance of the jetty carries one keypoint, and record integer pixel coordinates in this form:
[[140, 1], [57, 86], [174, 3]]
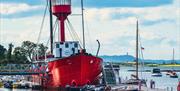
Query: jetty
[[113, 82], [151, 70], [133, 88]]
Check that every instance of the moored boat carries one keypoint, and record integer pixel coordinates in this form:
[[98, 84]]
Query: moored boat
[[71, 65], [136, 80], [8, 84], [168, 72], [173, 75], [156, 72]]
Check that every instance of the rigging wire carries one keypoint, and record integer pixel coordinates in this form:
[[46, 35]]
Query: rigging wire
[[74, 32], [141, 54], [54, 29], [41, 28], [42, 23], [73, 38], [48, 41], [89, 36]]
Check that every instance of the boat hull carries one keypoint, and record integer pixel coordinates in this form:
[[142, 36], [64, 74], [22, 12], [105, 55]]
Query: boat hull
[[156, 75], [76, 70], [173, 76]]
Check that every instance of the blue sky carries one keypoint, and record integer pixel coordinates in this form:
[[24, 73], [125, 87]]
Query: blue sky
[[126, 3], [87, 3], [103, 3], [110, 21]]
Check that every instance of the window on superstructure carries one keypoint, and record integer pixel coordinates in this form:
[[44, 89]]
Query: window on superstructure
[[66, 45], [75, 45], [57, 45]]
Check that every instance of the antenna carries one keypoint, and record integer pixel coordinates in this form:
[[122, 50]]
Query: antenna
[[82, 11]]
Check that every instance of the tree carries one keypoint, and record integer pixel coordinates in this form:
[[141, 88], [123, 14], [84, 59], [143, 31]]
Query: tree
[[42, 50], [20, 55], [2, 52], [9, 52], [28, 48]]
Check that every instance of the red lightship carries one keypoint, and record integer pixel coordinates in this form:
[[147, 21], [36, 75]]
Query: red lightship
[[71, 65]]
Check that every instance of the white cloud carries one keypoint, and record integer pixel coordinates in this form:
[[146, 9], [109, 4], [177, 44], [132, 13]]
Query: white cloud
[[126, 22], [148, 35], [22, 29], [166, 12], [110, 32], [12, 8]]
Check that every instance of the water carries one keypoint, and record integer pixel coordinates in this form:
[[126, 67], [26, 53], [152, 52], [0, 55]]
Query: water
[[5, 89], [161, 82]]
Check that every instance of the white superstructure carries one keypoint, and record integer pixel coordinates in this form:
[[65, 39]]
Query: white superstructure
[[65, 49]]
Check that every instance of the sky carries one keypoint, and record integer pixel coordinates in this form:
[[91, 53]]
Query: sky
[[112, 22]]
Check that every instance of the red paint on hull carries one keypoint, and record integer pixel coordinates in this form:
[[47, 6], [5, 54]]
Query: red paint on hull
[[76, 70]]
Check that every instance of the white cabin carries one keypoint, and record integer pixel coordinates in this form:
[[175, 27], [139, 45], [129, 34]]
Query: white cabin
[[65, 49]]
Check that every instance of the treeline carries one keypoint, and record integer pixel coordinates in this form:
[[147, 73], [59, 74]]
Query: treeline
[[21, 54]]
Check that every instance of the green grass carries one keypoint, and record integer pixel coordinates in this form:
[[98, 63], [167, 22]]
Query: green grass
[[170, 65]]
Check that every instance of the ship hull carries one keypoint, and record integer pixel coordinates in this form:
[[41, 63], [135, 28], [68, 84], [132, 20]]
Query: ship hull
[[76, 70]]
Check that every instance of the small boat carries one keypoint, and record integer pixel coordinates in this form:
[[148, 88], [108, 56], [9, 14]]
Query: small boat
[[8, 84], [136, 82], [156, 72], [173, 75], [135, 78], [168, 72], [16, 84], [22, 84]]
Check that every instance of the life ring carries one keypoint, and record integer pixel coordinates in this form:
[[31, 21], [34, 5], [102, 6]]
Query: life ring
[[88, 82], [73, 83]]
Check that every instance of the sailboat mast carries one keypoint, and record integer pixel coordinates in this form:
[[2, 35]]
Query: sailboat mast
[[51, 26], [137, 38], [82, 12], [173, 57]]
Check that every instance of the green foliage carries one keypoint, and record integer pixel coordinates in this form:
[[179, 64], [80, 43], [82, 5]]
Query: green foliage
[[42, 50], [2, 52], [28, 48], [21, 54], [9, 52]]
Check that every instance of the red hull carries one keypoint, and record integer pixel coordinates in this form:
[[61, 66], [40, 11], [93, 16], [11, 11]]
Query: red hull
[[77, 70]]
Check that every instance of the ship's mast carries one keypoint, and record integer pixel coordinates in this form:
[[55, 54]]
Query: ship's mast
[[82, 12], [51, 26], [137, 38]]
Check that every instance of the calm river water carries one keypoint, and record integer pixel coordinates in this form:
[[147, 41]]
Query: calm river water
[[163, 82]]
